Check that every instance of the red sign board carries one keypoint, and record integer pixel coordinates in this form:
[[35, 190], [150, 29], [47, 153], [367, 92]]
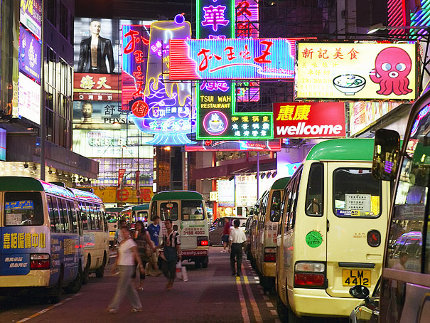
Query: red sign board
[[96, 87], [121, 173], [309, 120]]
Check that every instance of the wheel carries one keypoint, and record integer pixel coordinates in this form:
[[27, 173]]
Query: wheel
[[54, 293], [76, 284], [197, 263], [101, 270], [205, 262], [86, 273], [281, 309]]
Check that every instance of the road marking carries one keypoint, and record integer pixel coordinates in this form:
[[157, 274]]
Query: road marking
[[254, 305], [273, 312], [244, 310], [269, 304], [47, 309]]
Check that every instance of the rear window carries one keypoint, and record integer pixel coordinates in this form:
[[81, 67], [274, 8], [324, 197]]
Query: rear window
[[23, 208], [275, 206], [169, 210], [192, 210], [356, 193]]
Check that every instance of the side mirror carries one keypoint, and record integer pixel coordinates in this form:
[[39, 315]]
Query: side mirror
[[359, 291], [386, 154]]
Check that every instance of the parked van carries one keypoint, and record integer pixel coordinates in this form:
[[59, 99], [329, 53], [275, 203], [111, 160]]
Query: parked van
[[187, 211], [334, 219], [217, 227], [256, 227], [268, 218]]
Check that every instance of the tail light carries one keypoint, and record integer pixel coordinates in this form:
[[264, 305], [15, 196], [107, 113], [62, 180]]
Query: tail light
[[39, 261], [202, 241], [270, 254], [309, 275], [374, 238]]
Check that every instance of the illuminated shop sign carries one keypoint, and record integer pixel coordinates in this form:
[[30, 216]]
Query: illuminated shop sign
[[365, 113], [29, 54], [90, 114], [96, 87], [28, 99], [31, 15], [309, 119], [216, 100], [166, 111], [236, 145], [220, 59], [135, 40], [356, 71], [226, 191]]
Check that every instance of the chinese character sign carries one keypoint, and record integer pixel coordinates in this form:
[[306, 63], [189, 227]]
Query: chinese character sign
[[29, 54], [271, 58], [166, 110], [356, 71], [96, 87], [135, 41], [31, 15], [309, 119]]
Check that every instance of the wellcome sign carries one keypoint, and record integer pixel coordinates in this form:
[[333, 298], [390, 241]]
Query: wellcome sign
[[309, 120]]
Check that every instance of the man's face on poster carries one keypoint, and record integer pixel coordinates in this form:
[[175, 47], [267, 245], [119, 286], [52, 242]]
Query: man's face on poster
[[95, 27], [87, 110]]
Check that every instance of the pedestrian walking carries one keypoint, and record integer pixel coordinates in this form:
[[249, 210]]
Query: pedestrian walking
[[145, 248], [237, 238], [225, 235], [154, 233], [171, 252], [125, 261], [118, 234]]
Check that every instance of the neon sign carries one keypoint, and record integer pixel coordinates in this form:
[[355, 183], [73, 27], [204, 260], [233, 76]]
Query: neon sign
[[247, 58], [166, 110], [135, 40]]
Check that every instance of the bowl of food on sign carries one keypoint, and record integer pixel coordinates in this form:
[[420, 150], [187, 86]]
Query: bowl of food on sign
[[349, 84]]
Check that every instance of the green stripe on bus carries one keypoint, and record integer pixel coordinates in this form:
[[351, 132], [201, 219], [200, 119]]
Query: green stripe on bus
[[177, 195]]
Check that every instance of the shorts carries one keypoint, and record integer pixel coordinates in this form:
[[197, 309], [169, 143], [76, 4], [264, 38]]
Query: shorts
[[225, 238]]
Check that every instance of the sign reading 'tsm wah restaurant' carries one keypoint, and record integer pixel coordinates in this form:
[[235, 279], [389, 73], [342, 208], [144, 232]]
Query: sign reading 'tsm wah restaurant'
[[309, 120]]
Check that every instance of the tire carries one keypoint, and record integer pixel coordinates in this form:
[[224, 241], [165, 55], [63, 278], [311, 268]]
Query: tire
[[197, 263], [101, 270], [281, 309], [205, 262], [86, 273], [76, 284], [55, 293]]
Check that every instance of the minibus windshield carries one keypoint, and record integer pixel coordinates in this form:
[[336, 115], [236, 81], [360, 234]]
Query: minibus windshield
[[192, 210], [23, 208], [169, 210]]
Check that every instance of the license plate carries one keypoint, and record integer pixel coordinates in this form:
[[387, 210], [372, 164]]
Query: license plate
[[352, 277], [112, 234]]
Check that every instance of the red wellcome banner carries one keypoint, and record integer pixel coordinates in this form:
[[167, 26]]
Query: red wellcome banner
[[309, 120]]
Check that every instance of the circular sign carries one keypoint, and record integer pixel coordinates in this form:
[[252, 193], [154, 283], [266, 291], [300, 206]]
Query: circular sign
[[139, 109], [314, 239], [215, 123], [122, 195]]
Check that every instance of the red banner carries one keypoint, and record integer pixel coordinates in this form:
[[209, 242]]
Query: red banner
[[96, 87], [121, 173], [309, 120]]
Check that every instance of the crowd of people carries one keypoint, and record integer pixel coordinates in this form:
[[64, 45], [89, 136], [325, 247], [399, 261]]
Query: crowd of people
[[142, 252]]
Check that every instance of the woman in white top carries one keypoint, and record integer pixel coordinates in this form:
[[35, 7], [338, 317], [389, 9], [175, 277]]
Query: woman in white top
[[126, 259]]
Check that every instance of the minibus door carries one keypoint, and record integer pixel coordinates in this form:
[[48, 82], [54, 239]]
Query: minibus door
[[351, 192]]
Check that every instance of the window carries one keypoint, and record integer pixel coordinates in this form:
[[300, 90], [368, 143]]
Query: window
[[192, 210], [356, 193], [53, 213], [153, 209], [169, 210], [275, 206], [64, 215], [291, 201], [85, 218], [73, 216], [314, 192], [23, 208]]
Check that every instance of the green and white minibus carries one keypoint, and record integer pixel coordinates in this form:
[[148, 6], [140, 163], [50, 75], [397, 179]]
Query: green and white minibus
[[187, 210], [334, 219]]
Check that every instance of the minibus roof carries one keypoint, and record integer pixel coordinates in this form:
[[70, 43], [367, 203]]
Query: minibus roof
[[85, 196], [30, 184], [280, 184], [177, 195], [342, 149], [139, 207]]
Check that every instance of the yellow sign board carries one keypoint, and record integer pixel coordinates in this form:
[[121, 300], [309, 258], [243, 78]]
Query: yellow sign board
[[112, 194], [352, 71]]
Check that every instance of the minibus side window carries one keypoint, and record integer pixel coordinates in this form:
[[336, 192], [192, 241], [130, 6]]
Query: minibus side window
[[153, 209], [293, 212], [23, 208], [288, 203], [356, 193], [73, 217], [275, 206], [64, 215], [169, 210], [314, 193], [53, 213], [84, 217]]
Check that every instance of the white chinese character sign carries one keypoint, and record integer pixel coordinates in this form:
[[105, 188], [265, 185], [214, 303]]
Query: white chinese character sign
[[356, 71]]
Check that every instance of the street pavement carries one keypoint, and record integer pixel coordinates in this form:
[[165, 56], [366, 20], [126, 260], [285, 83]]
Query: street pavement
[[209, 295]]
